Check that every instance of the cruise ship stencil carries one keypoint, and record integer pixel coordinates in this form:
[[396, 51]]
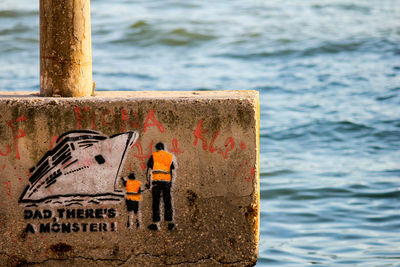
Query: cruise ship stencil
[[83, 168]]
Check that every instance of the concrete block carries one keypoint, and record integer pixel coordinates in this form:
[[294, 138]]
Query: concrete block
[[130, 178]]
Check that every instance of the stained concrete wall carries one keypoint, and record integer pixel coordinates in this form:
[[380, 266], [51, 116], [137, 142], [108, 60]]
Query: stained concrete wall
[[62, 204]]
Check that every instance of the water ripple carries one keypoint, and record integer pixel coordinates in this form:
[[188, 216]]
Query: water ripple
[[145, 34], [17, 14]]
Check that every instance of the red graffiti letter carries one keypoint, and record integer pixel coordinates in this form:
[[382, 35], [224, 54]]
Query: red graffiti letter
[[242, 145], [141, 156], [229, 145], [79, 117], [125, 118], [103, 120], [155, 122], [8, 185], [4, 154], [93, 120], [198, 134], [212, 148], [175, 149], [22, 118], [17, 134]]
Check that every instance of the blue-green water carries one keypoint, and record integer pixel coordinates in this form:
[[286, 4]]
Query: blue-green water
[[328, 73]]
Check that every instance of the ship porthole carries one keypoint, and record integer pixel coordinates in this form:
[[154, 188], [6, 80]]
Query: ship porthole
[[100, 160]]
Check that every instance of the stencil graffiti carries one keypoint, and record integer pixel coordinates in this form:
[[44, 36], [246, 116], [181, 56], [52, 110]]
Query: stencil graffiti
[[161, 171], [83, 167], [133, 198]]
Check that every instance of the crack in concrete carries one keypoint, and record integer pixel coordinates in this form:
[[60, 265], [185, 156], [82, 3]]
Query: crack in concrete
[[197, 261], [121, 262]]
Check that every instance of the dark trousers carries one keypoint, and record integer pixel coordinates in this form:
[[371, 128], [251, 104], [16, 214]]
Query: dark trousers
[[164, 188], [132, 205]]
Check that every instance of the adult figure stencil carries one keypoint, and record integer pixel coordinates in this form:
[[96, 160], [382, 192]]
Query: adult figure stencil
[[161, 171]]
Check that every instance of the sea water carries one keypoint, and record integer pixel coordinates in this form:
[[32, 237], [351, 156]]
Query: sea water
[[328, 73]]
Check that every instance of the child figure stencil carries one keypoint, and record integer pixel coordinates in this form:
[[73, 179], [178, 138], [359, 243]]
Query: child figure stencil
[[133, 198]]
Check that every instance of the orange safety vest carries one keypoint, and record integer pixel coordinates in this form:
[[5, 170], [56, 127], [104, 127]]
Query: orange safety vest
[[162, 166], [132, 190]]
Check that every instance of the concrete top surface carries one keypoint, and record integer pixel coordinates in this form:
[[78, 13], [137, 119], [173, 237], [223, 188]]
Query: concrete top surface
[[231, 94]]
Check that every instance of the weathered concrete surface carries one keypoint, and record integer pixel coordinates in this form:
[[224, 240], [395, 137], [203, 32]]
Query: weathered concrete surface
[[65, 48], [215, 193]]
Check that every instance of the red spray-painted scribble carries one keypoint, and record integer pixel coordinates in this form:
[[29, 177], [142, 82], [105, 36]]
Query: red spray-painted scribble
[[229, 146], [141, 155], [109, 119], [104, 122], [152, 121], [5, 154], [246, 171], [242, 168], [242, 145], [212, 149], [175, 149], [199, 132], [126, 119], [79, 117], [93, 120], [22, 118], [8, 187], [17, 133], [252, 175]]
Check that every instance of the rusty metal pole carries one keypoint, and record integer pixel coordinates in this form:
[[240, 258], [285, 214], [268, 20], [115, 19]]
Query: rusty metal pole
[[65, 48]]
